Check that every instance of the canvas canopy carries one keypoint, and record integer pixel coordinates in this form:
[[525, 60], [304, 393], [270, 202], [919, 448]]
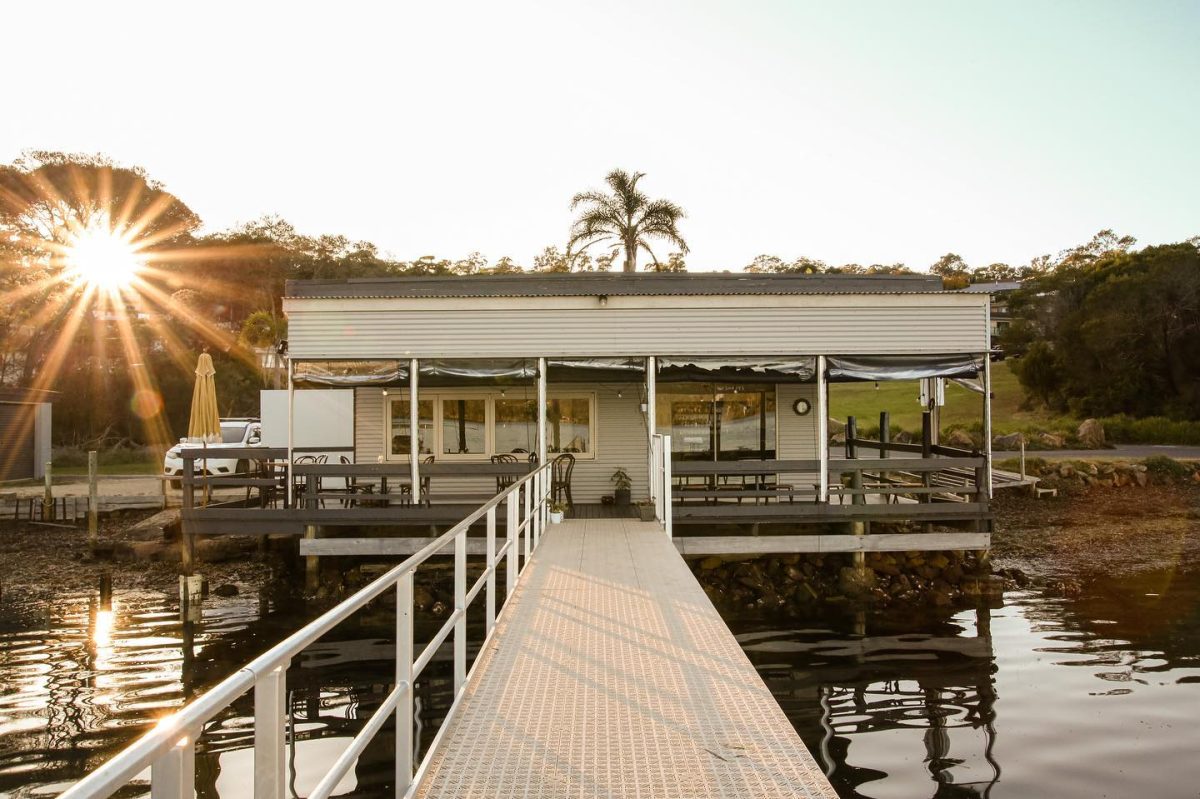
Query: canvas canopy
[[677, 369], [878, 368]]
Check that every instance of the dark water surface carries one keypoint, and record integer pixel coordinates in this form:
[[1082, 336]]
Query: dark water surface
[[1092, 696]]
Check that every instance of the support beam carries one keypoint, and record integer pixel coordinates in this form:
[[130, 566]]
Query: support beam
[[987, 420], [858, 544], [541, 400], [822, 430], [414, 436]]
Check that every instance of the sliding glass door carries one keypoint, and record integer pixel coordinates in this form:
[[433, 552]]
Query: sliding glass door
[[712, 422]]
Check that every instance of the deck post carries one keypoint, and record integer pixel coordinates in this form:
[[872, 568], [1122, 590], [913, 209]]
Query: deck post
[[270, 734], [851, 435], [541, 399], [404, 669], [290, 496], [414, 437], [490, 612], [460, 607], [651, 420], [187, 541], [312, 565], [987, 421], [822, 431]]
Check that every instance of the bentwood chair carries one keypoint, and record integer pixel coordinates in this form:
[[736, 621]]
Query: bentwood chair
[[503, 481], [560, 478]]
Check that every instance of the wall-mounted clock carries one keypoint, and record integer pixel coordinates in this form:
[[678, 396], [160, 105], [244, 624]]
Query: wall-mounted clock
[[801, 407]]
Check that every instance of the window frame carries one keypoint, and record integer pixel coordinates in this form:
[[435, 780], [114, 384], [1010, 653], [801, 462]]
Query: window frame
[[489, 396]]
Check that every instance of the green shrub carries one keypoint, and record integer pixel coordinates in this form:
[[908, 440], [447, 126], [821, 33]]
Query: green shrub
[[1150, 430], [1162, 466]]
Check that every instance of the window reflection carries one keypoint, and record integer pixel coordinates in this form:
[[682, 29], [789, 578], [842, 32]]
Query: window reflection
[[717, 422], [464, 426], [401, 437]]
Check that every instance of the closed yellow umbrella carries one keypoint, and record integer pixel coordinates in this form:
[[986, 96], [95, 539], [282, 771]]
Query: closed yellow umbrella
[[205, 422]]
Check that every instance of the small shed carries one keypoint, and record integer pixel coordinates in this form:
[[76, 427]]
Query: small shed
[[24, 433]]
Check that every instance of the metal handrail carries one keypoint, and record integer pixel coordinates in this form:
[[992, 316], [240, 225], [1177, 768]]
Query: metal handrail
[[660, 481], [169, 748]]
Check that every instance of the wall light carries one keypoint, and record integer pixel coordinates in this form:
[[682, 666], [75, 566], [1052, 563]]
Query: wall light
[[603, 300]]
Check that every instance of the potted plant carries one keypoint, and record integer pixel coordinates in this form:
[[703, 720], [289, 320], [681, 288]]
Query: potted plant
[[622, 482], [646, 509], [557, 509]]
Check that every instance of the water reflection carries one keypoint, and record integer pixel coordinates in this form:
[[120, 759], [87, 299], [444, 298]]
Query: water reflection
[[1039, 697], [1044, 696]]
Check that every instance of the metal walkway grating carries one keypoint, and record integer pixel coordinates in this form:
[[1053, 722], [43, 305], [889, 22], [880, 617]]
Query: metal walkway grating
[[612, 675]]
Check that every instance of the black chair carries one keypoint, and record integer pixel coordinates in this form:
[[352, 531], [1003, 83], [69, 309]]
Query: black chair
[[504, 481], [560, 478], [300, 481], [424, 495]]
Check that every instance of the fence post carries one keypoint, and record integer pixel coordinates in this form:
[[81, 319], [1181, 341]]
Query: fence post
[[186, 540], [270, 734], [490, 612], [48, 495], [460, 605], [885, 433], [851, 435], [404, 669], [93, 500], [173, 774]]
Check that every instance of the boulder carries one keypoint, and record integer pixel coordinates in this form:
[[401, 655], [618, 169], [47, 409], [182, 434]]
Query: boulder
[[1052, 440], [836, 426], [1091, 434], [959, 439], [904, 437], [1009, 442], [228, 589]]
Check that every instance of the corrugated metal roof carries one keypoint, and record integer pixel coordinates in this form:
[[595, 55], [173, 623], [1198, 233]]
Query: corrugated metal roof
[[615, 284], [992, 288]]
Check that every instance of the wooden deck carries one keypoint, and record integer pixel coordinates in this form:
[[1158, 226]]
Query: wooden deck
[[612, 675]]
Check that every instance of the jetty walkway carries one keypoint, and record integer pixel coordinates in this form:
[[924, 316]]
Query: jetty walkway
[[612, 675]]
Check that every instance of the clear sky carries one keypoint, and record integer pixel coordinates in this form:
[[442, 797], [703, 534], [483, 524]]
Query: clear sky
[[850, 132]]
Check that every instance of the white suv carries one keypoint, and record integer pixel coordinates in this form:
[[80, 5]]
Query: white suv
[[234, 433]]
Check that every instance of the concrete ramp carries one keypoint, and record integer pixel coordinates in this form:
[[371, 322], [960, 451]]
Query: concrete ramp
[[612, 675]]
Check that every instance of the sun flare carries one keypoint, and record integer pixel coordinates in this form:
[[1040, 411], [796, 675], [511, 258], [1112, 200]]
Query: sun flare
[[103, 257]]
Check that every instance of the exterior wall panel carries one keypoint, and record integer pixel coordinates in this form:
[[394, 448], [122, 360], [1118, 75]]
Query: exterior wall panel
[[873, 324], [797, 435], [621, 441]]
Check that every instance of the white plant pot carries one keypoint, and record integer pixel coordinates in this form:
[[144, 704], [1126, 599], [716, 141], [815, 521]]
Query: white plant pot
[[555, 516]]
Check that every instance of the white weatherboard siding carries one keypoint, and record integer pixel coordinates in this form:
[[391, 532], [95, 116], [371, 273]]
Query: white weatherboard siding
[[797, 435], [621, 439], [877, 324]]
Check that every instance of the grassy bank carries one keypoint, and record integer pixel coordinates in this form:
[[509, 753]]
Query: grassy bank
[[963, 409]]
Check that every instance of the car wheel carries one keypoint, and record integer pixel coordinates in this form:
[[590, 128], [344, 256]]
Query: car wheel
[[177, 484], [243, 467]]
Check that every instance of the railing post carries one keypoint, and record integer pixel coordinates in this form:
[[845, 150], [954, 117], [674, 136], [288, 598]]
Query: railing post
[[527, 519], [173, 774], [885, 433], [511, 555], [668, 521], [270, 734], [851, 435], [490, 611], [460, 605], [822, 431], [404, 670]]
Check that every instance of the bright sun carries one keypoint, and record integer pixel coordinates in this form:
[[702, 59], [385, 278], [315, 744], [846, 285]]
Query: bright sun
[[103, 257]]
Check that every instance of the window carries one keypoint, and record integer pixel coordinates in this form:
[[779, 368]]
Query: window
[[515, 425], [468, 425], [464, 427], [400, 438], [710, 422], [569, 425]]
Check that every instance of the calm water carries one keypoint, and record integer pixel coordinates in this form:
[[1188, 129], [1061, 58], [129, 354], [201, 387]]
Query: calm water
[[1086, 697]]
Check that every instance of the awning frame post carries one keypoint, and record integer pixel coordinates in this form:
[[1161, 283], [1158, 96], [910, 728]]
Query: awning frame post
[[414, 435], [651, 420], [541, 398]]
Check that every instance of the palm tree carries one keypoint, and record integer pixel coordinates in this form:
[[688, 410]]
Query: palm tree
[[626, 218]]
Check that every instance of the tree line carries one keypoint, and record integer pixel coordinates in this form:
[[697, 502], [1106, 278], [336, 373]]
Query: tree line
[[222, 291]]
